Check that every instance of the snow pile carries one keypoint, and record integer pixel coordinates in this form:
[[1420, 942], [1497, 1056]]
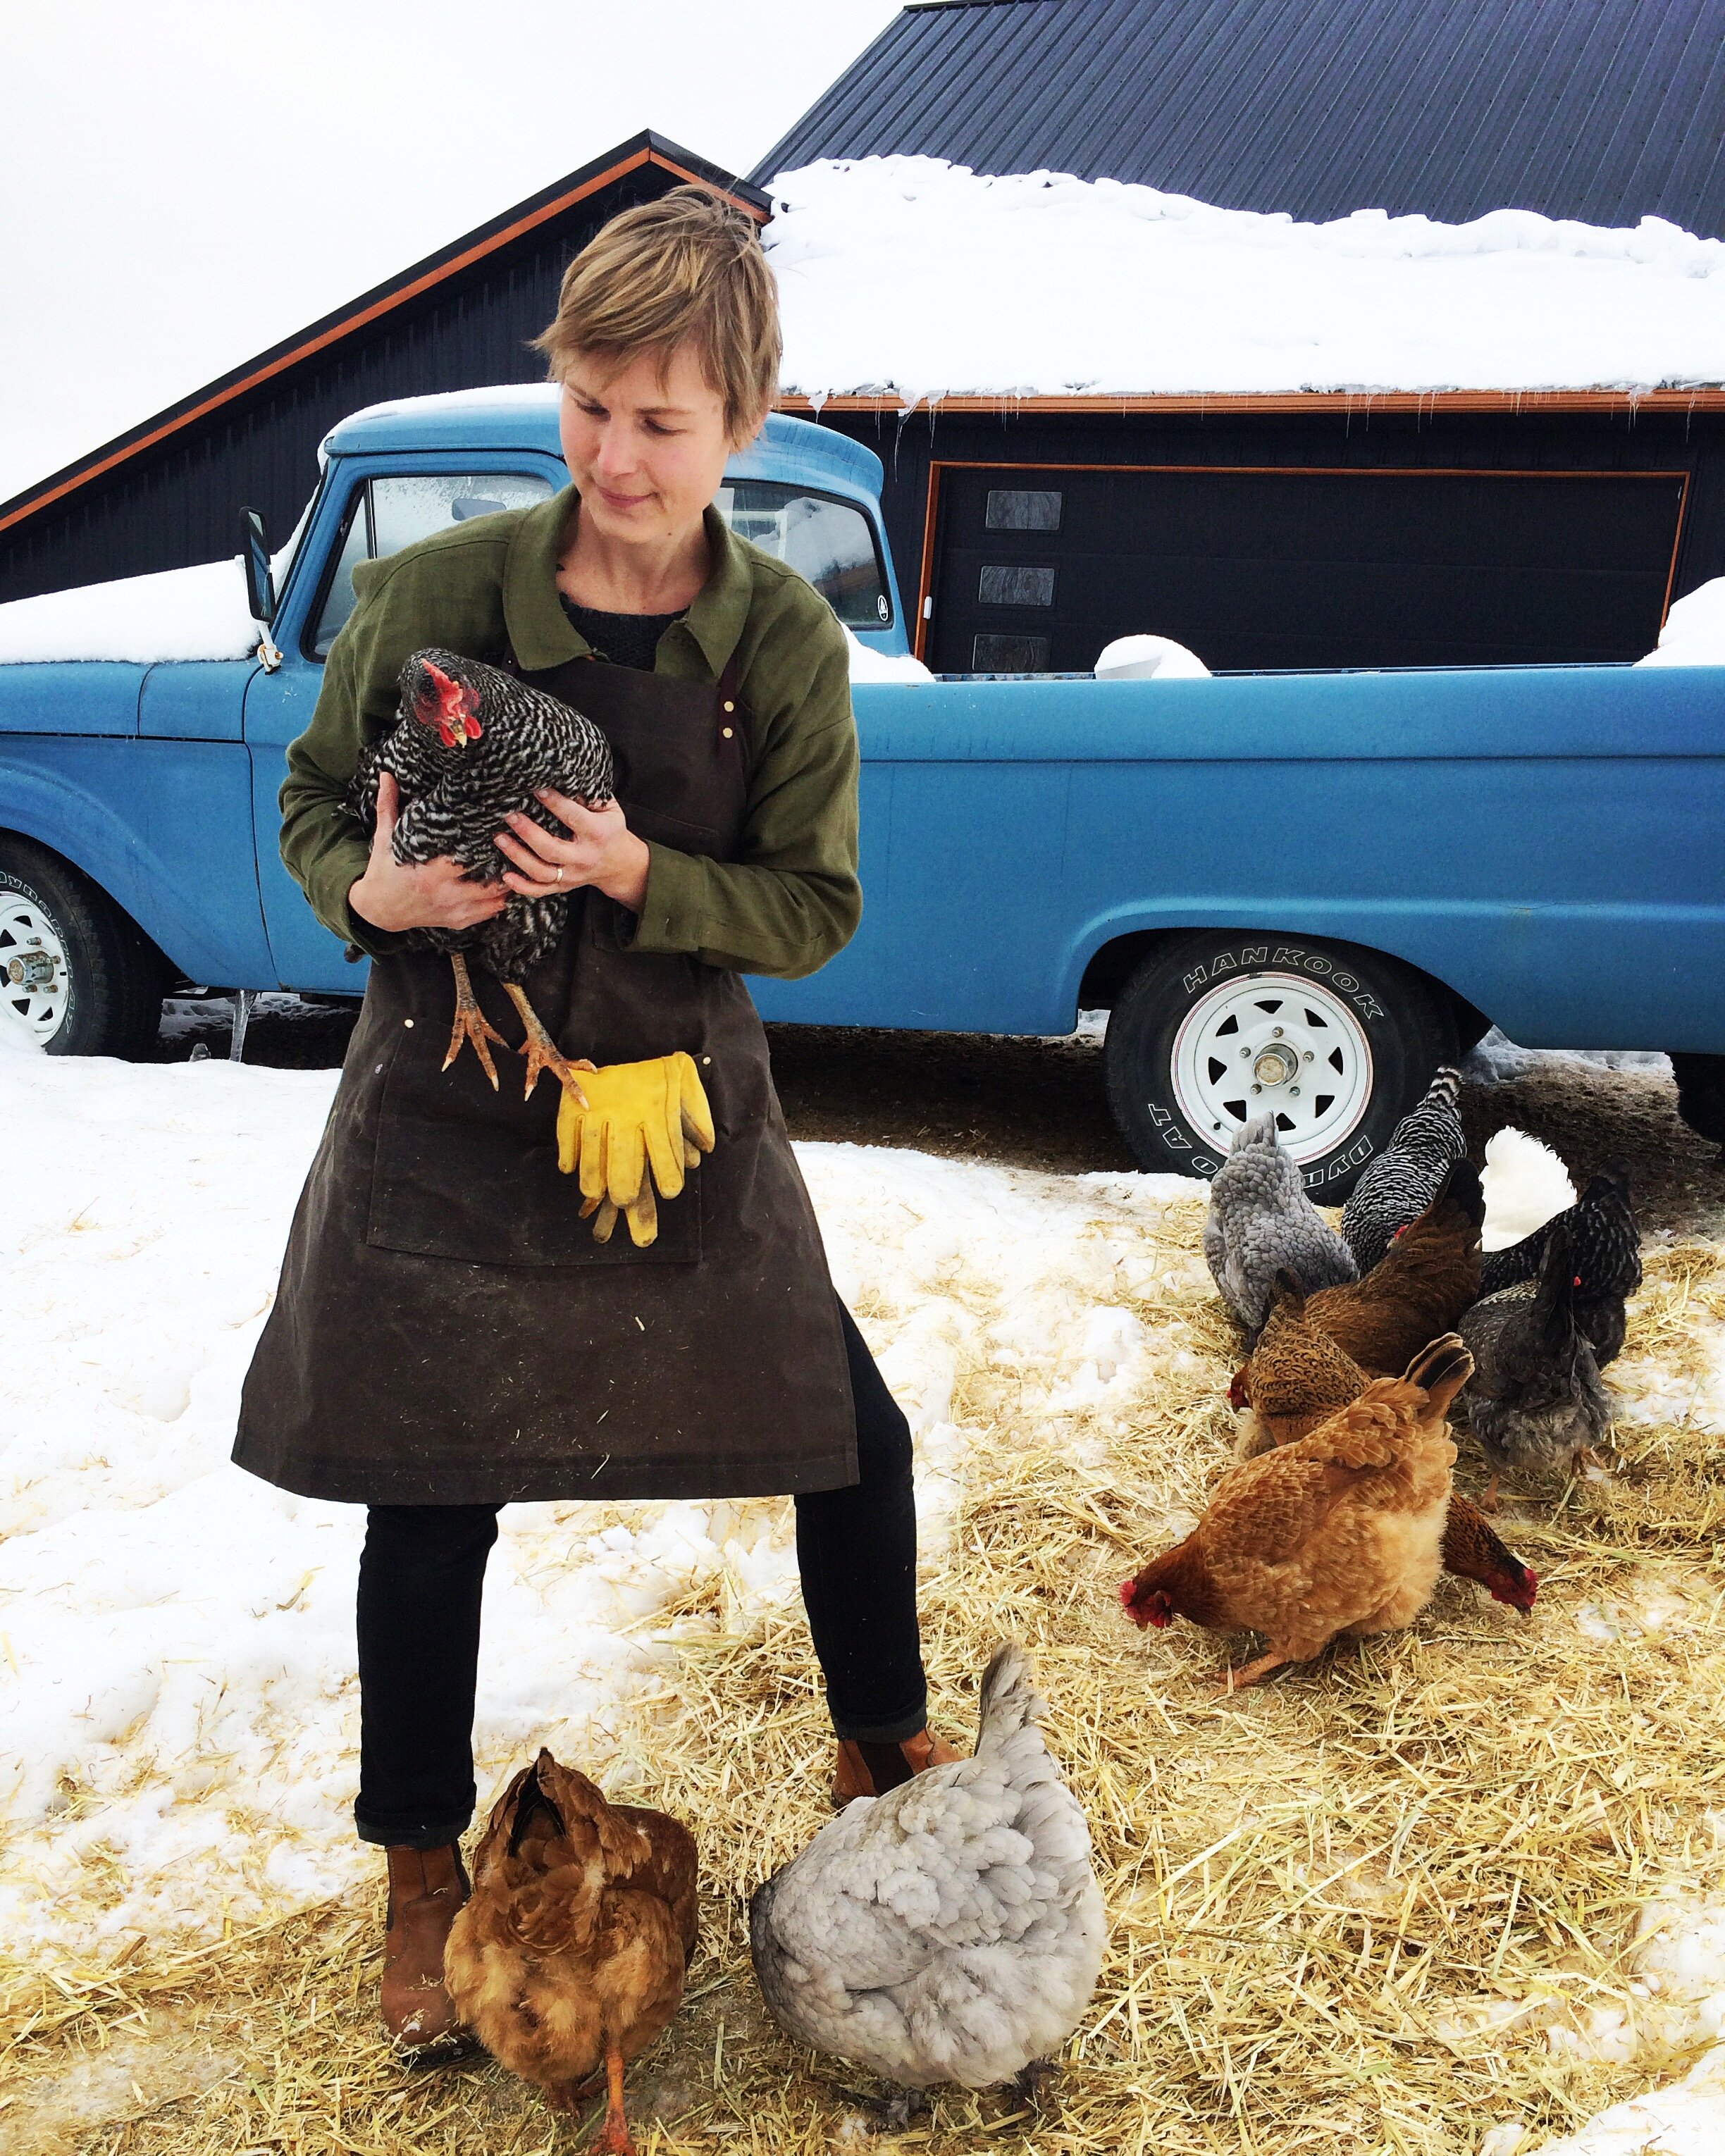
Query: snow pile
[[1149, 659], [1498, 1061], [1686, 2119], [868, 664], [179, 1738], [179, 613], [1694, 632], [908, 276]]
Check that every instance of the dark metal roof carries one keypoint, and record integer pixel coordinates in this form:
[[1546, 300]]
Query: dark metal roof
[[1606, 110]]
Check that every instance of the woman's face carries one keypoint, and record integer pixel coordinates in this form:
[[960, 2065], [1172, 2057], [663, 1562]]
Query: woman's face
[[646, 449]]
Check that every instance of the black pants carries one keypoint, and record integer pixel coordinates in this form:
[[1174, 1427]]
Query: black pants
[[423, 1571]]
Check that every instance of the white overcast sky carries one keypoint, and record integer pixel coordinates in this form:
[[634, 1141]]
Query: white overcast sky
[[182, 184]]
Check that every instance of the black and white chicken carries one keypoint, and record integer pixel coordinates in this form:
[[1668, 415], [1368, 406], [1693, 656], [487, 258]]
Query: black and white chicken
[[470, 745], [1404, 1179], [1534, 1400], [1605, 1254]]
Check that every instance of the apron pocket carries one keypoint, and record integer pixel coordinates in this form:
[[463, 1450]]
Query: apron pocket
[[494, 1197]]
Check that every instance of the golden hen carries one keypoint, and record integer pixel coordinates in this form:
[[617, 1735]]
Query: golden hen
[[569, 1959], [1338, 1533]]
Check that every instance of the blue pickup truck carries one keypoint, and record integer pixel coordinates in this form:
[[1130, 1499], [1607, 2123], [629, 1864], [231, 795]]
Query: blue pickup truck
[[1296, 891]]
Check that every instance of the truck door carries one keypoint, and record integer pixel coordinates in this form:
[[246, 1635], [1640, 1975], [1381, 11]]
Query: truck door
[[369, 514]]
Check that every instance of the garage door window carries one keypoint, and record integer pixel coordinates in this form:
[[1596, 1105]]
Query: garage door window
[[1023, 509]]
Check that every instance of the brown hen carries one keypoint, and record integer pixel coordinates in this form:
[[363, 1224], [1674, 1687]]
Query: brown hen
[[1296, 1377], [1418, 1290], [569, 1959], [1337, 1533]]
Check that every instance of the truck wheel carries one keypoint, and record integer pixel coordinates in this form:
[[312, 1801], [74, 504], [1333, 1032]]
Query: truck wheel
[[1215, 1029], [79, 974]]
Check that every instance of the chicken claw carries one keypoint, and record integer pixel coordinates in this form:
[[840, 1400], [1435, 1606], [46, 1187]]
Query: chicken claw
[[542, 1051], [893, 2110], [613, 2138], [471, 1023], [1248, 1673]]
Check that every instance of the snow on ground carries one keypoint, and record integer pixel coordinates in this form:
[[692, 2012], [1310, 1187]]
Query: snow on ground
[[909, 275], [178, 1736]]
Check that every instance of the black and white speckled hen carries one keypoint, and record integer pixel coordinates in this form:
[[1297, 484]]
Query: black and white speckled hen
[[470, 745], [1605, 1254], [1404, 1179]]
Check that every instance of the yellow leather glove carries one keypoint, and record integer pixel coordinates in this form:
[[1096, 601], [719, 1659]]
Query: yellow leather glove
[[640, 1117]]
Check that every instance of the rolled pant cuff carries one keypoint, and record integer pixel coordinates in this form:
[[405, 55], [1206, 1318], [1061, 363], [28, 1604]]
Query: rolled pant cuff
[[413, 1834], [894, 1732]]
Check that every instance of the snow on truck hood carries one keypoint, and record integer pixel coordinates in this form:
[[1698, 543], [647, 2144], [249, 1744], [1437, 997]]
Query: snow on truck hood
[[912, 277], [200, 613]]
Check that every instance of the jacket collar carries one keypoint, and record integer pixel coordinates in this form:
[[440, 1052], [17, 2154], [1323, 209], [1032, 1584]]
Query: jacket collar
[[541, 633]]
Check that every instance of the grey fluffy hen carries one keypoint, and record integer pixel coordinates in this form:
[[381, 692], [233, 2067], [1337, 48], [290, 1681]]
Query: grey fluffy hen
[[1260, 1223], [1404, 1179], [951, 1930], [1534, 1401], [471, 744]]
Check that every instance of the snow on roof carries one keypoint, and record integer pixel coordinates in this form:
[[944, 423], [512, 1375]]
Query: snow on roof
[[913, 277], [200, 613]]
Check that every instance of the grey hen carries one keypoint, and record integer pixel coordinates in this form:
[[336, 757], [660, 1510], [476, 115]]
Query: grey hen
[[951, 1930], [1534, 1401], [1261, 1222], [471, 744], [1605, 1254], [1404, 1179]]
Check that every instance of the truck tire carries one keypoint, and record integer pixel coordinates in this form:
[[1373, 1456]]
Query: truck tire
[[78, 972], [1214, 1028]]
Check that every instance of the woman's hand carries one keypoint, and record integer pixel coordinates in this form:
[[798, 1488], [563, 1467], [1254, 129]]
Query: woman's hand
[[429, 895], [600, 849]]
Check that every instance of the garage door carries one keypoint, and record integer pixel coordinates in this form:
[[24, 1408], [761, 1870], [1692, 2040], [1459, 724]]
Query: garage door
[[1039, 567]]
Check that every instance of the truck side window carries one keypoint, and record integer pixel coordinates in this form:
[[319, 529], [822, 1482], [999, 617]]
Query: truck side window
[[388, 513], [828, 541]]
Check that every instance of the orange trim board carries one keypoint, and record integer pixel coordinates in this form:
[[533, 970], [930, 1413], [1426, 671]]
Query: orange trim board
[[937, 465], [350, 323]]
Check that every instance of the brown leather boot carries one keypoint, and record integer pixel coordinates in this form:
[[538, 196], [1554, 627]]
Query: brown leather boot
[[426, 1888], [868, 1769]]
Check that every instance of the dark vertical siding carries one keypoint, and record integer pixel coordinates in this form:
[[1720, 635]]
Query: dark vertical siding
[[1607, 110]]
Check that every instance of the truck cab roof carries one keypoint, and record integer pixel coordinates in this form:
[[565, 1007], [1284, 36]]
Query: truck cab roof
[[524, 416]]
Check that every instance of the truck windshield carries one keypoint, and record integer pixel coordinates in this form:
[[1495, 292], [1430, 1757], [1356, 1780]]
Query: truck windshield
[[826, 541]]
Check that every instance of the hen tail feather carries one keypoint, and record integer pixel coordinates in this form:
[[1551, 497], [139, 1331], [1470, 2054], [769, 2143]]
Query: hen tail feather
[[1440, 1370], [1008, 1697]]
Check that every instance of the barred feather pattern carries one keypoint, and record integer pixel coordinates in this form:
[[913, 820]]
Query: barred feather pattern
[[1404, 1179], [1605, 1241], [455, 798]]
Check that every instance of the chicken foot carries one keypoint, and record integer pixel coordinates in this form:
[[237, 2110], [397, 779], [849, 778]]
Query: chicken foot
[[891, 2112], [1248, 1673], [542, 1051], [471, 1023], [613, 2138]]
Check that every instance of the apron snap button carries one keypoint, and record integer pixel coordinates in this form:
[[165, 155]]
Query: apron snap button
[[726, 731], [407, 1021], [730, 707]]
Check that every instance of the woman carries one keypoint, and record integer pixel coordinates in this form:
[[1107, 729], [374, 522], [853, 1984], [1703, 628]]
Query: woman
[[448, 1337]]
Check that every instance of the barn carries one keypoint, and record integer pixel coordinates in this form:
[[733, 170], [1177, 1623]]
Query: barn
[[1388, 516], [1418, 524]]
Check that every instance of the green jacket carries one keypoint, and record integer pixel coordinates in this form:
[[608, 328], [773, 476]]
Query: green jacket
[[788, 904]]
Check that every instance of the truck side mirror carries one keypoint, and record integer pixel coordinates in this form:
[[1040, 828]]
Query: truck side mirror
[[254, 552]]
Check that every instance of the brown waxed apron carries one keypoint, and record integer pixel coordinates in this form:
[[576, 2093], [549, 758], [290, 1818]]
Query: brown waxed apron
[[447, 1331]]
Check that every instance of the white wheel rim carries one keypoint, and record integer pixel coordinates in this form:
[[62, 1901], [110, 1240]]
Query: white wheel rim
[[1273, 1041], [35, 979]]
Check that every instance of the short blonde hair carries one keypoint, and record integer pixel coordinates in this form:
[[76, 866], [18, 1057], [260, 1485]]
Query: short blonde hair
[[685, 269]]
